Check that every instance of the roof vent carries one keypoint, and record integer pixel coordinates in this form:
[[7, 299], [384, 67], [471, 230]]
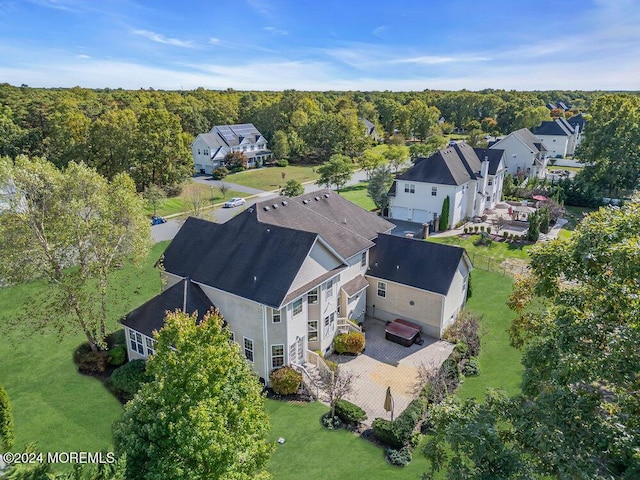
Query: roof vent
[[266, 208], [316, 198], [255, 279], [397, 267], [326, 195], [250, 209], [285, 203], [305, 201], [275, 206], [268, 230], [345, 220]]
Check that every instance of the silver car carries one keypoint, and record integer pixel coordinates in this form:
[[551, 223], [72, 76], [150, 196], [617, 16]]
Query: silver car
[[234, 202]]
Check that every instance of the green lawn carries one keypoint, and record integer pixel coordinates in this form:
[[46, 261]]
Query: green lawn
[[311, 451], [498, 251], [499, 362], [358, 195], [270, 178], [179, 204], [52, 403]]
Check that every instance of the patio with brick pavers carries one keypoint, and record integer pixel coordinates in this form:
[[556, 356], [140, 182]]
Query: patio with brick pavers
[[386, 364]]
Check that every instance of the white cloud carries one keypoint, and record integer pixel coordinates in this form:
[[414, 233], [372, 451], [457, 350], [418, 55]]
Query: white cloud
[[262, 7], [83, 56], [378, 31], [214, 41], [159, 38], [275, 31]]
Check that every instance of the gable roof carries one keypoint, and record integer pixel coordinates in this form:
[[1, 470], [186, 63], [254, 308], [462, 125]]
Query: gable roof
[[243, 256], [526, 137], [553, 127], [232, 135], [455, 165], [577, 121], [184, 295], [425, 265], [338, 221]]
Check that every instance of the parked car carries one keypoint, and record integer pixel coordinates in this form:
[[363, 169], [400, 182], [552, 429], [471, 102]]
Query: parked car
[[234, 202], [156, 220]]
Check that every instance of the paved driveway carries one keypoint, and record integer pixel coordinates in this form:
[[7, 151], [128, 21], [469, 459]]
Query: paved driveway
[[386, 364]]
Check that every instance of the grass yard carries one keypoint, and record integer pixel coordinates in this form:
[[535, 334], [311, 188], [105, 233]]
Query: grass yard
[[498, 251], [358, 195], [270, 178], [179, 204], [499, 362], [52, 403], [312, 451]]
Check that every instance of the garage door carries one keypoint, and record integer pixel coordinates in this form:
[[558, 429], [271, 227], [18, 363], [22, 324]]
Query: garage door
[[399, 213], [421, 216]]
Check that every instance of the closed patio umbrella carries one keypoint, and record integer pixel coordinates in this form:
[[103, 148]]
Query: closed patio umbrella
[[388, 402]]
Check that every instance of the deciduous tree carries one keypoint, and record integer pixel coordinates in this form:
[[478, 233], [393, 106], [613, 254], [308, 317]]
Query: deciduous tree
[[337, 171], [292, 188], [379, 185], [202, 415], [73, 229]]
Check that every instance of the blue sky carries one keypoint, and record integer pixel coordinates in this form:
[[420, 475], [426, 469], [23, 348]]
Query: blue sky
[[322, 45]]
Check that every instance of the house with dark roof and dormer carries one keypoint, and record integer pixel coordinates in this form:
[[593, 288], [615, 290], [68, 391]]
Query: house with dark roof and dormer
[[525, 155], [210, 149], [472, 178], [288, 274], [558, 136]]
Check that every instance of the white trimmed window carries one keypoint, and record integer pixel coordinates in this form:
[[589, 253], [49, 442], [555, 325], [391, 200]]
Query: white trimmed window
[[434, 191], [277, 356], [136, 342], [382, 289], [248, 349], [329, 288], [312, 297], [329, 324], [150, 345], [297, 307], [312, 329], [409, 188], [275, 316], [363, 259]]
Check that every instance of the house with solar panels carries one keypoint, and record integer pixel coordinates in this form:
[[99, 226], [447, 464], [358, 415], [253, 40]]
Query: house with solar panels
[[209, 149]]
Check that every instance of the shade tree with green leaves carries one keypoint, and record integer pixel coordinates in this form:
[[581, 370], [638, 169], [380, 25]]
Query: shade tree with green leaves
[[202, 415], [337, 171], [379, 185], [578, 323], [72, 229]]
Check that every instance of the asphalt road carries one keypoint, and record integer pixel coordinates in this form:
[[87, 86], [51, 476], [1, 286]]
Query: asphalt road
[[167, 231]]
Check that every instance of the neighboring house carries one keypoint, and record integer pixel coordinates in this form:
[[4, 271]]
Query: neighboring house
[[578, 122], [418, 281], [472, 178], [558, 137], [525, 155], [371, 130], [286, 274], [559, 106], [210, 149]]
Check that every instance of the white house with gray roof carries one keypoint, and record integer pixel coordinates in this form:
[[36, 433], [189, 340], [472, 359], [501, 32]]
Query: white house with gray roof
[[288, 274], [472, 178], [559, 137], [209, 149], [525, 154]]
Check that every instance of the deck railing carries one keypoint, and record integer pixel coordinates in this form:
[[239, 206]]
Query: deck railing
[[308, 380], [314, 359], [345, 326]]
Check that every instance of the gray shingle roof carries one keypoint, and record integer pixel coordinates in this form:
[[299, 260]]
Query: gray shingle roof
[[425, 265], [355, 285], [528, 138], [244, 257], [149, 317], [553, 127], [455, 165], [337, 220]]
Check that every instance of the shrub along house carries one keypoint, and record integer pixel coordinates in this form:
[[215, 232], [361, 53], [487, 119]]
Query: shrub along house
[[287, 275]]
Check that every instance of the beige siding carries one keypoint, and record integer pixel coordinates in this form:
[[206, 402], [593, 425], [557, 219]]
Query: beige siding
[[457, 295], [426, 309], [319, 261]]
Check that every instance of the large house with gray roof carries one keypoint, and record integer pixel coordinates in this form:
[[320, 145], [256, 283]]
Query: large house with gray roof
[[472, 178], [525, 154], [558, 136], [288, 274], [209, 149]]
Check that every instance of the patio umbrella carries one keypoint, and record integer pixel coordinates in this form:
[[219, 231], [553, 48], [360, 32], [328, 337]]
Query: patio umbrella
[[388, 402], [541, 198]]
